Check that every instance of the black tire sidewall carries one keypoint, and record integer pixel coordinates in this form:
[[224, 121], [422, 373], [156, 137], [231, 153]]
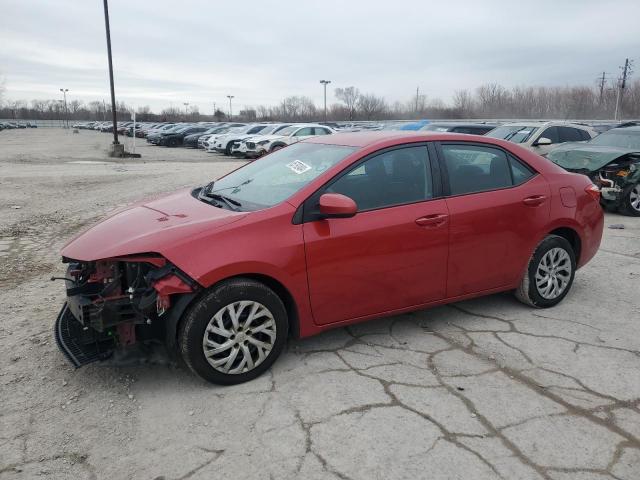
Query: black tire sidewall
[[195, 322], [552, 241], [625, 203]]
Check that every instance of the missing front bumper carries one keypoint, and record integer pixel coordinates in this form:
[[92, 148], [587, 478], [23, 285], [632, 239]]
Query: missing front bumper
[[81, 345]]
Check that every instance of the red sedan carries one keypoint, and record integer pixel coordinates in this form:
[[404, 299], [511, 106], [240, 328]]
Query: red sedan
[[327, 232]]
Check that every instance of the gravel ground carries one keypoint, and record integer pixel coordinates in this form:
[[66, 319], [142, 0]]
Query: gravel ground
[[483, 389]]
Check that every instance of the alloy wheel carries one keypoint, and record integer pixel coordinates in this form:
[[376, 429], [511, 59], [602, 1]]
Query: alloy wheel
[[239, 337], [553, 273], [634, 197]]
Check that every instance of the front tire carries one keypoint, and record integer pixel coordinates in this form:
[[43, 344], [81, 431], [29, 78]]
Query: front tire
[[630, 202], [235, 332], [549, 275]]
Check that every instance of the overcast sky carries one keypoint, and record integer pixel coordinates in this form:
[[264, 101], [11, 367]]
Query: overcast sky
[[170, 52]]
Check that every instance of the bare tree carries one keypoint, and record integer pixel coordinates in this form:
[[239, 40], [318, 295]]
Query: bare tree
[[463, 102], [349, 96], [371, 107]]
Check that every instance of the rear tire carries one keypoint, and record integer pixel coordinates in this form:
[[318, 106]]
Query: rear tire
[[630, 202], [173, 142], [234, 333], [549, 275]]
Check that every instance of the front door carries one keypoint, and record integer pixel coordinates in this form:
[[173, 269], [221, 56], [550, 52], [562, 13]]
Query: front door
[[393, 253]]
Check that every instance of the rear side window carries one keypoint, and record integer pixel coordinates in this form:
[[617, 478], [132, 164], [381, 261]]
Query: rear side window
[[569, 134], [519, 171], [552, 134], [475, 168], [585, 135], [303, 132]]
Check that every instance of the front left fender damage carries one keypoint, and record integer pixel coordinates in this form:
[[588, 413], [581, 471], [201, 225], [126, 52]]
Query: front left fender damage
[[117, 302]]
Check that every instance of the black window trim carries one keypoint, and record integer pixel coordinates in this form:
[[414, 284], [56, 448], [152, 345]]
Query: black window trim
[[444, 177], [307, 211]]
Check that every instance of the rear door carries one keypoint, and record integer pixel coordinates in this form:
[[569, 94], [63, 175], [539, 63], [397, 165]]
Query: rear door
[[497, 206], [393, 253]]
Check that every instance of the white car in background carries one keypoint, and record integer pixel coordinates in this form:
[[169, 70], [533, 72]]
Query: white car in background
[[210, 143], [224, 142], [239, 147], [542, 137], [261, 145]]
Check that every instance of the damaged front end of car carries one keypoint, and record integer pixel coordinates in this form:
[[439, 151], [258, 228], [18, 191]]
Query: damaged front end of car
[[615, 171], [617, 178], [117, 302]]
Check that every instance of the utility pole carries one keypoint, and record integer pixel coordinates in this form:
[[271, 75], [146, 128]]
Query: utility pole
[[66, 111], [324, 84], [117, 151], [230, 109], [622, 83], [602, 84], [214, 110], [417, 97]]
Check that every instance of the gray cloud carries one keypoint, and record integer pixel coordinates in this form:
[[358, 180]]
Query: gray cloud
[[199, 51]]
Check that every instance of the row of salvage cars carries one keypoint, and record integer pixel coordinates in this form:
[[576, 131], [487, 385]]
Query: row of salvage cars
[[608, 153]]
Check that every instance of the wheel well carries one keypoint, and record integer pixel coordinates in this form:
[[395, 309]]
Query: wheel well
[[572, 237], [285, 296]]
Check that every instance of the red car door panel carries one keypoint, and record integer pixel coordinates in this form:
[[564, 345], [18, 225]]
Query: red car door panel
[[492, 233], [377, 261]]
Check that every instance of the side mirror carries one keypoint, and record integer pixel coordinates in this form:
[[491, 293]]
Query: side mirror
[[335, 205], [543, 141]]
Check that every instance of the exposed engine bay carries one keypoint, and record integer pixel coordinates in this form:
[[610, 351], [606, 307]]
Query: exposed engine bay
[[116, 302], [616, 176]]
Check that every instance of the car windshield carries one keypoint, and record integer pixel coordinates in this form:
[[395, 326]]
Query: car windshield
[[279, 175], [513, 133], [618, 138]]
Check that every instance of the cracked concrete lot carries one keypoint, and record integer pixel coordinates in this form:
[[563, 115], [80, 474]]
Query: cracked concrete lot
[[483, 389]]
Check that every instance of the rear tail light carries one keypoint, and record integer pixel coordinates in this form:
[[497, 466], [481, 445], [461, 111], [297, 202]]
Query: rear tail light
[[593, 191]]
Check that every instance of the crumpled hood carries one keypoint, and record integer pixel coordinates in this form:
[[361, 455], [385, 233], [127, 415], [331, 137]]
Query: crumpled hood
[[584, 156], [150, 226]]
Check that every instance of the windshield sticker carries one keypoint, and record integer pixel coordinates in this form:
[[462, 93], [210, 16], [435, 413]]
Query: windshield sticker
[[298, 167]]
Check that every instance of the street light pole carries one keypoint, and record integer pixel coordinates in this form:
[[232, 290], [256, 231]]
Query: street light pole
[[66, 111], [324, 84], [230, 109], [113, 93], [186, 111]]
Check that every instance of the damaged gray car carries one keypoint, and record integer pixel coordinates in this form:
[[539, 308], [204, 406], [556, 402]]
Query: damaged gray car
[[612, 162]]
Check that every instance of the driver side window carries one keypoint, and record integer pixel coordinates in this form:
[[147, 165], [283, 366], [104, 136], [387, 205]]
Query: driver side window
[[303, 132], [392, 178]]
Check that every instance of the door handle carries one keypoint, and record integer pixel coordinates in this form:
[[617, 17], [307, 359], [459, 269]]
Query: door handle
[[432, 220], [534, 200]]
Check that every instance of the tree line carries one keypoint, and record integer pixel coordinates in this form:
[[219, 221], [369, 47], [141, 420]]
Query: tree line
[[488, 101]]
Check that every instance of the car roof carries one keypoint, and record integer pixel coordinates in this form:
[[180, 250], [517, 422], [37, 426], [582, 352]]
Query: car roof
[[371, 138], [540, 123], [635, 128]]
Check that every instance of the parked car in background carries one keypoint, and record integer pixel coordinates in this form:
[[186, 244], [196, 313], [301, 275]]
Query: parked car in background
[[286, 136], [153, 135], [300, 242], [218, 129], [612, 161], [240, 149], [225, 142], [174, 138], [210, 143], [542, 137], [469, 128]]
